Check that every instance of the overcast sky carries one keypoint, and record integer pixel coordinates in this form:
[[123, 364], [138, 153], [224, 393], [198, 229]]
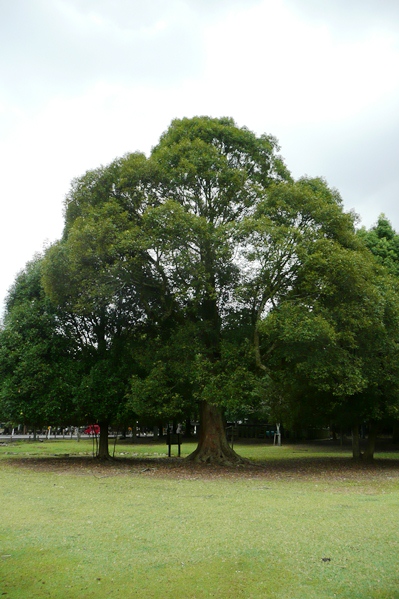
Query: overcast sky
[[85, 81]]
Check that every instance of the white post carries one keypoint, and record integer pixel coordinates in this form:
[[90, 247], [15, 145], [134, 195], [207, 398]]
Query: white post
[[277, 436]]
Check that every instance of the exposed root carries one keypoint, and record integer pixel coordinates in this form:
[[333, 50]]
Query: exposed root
[[103, 458], [220, 458]]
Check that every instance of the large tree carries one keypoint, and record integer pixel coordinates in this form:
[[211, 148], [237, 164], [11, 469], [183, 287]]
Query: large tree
[[198, 242], [152, 243], [211, 176], [233, 240]]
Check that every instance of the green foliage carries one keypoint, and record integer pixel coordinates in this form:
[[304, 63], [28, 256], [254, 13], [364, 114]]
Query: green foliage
[[205, 273], [335, 339], [38, 372], [149, 252], [383, 242]]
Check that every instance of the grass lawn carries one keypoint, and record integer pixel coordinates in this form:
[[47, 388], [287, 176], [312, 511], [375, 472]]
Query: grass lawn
[[304, 522]]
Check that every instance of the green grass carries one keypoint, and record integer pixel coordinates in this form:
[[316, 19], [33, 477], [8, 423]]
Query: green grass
[[143, 449], [135, 532]]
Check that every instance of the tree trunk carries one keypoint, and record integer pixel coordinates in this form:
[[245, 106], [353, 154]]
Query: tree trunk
[[213, 447], [372, 436], [103, 453], [356, 442]]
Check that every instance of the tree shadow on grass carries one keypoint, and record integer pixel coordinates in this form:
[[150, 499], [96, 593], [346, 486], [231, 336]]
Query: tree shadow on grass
[[303, 467]]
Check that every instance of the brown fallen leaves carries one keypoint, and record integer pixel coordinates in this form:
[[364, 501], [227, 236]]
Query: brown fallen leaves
[[315, 469]]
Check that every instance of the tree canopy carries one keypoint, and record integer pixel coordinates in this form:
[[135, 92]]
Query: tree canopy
[[203, 281], [38, 371]]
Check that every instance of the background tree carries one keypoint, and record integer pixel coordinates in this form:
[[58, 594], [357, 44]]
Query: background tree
[[383, 242], [335, 342], [38, 369], [94, 274]]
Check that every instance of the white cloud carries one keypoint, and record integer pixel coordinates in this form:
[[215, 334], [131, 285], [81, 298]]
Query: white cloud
[[84, 81], [300, 73]]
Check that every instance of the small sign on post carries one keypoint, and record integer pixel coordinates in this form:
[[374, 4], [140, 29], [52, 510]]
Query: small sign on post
[[173, 439], [277, 436]]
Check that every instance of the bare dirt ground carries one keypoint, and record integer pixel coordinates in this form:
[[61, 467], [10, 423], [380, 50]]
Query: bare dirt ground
[[301, 468]]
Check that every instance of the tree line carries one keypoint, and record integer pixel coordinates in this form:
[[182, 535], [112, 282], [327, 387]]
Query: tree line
[[204, 281]]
